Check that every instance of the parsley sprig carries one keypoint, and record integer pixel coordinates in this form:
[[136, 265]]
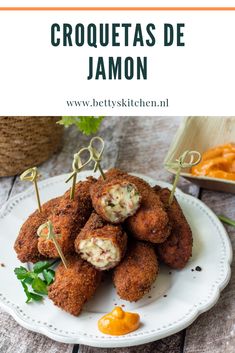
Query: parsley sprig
[[35, 282], [88, 125]]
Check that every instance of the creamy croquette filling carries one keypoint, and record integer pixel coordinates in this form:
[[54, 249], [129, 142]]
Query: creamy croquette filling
[[120, 202], [101, 253]]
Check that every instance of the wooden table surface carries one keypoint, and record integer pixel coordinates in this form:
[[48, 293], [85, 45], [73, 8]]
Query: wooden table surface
[[134, 144]]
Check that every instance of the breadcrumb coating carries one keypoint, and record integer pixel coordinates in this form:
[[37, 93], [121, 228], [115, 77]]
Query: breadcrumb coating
[[26, 244], [115, 199], [72, 287], [177, 249], [134, 276], [150, 222], [68, 219]]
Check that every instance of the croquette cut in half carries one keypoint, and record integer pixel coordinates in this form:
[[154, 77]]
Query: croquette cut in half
[[68, 219], [26, 244], [150, 221], [75, 285], [116, 199], [101, 243], [177, 249], [134, 276]]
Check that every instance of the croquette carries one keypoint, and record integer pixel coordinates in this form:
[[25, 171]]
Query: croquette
[[134, 276], [115, 199], [26, 244], [75, 285], [177, 249], [100, 243], [68, 219], [150, 221]]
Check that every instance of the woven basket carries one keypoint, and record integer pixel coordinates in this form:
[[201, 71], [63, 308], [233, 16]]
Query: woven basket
[[26, 141]]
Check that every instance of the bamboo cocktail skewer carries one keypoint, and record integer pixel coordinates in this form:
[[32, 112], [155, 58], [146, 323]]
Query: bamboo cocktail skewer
[[32, 175], [96, 155], [77, 167], [180, 164], [93, 155], [46, 231]]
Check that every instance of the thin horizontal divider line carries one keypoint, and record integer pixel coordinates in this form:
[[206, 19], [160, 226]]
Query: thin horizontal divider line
[[117, 8]]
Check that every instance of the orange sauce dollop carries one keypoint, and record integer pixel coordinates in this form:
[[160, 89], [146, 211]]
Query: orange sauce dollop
[[119, 322], [217, 162]]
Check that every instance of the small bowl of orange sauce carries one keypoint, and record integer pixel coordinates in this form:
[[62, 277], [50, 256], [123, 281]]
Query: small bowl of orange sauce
[[214, 138], [217, 162]]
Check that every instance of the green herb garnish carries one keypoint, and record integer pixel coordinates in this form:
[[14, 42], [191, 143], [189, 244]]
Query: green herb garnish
[[31, 295], [49, 276], [35, 282], [41, 266], [227, 220], [39, 286], [86, 124]]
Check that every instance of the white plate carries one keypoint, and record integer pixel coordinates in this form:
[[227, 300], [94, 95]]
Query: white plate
[[187, 293]]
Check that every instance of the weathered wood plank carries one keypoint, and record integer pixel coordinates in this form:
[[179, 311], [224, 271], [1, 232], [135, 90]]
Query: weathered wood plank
[[170, 344], [16, 339], [5, 188], [214, 331]]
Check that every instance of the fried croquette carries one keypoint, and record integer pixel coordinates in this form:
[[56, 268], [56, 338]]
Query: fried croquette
[[150, 221], [68, 219], [115, 199], [75, 285], [177, 249], [134, 276], [101, 243], [26, 244]]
